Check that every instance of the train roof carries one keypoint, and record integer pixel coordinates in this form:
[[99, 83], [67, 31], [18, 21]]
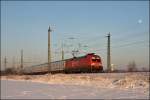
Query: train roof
[[65, 59], [81, 56]]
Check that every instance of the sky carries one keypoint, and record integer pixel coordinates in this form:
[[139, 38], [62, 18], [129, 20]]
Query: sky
[[77, 25]]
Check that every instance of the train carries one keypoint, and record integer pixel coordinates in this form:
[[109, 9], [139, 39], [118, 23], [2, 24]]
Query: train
[[87, 63]]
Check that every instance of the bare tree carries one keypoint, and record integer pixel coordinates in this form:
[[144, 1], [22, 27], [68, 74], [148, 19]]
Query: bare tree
[[132, 66], [144, 69]]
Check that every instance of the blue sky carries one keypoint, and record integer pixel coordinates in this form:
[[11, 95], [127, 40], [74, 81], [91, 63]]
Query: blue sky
[[24, 26]]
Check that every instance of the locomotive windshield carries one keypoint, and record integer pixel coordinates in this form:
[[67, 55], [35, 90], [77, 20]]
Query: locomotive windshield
[[98, 60], [95, 59]]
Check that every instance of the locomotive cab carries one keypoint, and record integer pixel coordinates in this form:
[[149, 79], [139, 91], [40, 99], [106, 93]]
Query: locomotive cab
[[96, 63]]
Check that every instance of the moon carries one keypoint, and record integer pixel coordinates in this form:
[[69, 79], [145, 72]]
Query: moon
[[140, 21]]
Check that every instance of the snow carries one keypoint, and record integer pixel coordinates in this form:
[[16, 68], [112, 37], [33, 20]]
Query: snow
[[77, 86]]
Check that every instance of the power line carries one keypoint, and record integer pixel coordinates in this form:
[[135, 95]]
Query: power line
[[124, 45], [120, 40], [129, 44], [93, 43]]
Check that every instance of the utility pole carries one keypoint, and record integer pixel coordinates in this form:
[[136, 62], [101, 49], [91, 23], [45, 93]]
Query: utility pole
[[13, 62], [13, 65], [62, 52], [108, 54], [21, 65], [5, 63], [49, 49], [0, 56]]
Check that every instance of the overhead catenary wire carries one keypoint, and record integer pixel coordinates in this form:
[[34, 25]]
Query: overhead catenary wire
[[126, 38], [129, 38], [114, 47]]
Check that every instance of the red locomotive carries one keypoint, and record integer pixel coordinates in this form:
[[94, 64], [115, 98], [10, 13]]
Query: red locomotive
[[87, 63]]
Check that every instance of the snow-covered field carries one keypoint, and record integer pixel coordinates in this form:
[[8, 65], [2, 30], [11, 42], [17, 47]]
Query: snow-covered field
[[93, 86]]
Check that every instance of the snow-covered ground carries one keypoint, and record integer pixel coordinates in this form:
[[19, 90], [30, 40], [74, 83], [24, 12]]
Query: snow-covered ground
[[78, 86]]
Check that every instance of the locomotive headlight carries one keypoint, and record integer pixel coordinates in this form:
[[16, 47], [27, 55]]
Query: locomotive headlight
[[92, 64]]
